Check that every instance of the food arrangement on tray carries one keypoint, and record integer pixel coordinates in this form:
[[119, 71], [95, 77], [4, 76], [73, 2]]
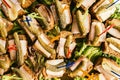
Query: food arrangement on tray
[[59, 39]]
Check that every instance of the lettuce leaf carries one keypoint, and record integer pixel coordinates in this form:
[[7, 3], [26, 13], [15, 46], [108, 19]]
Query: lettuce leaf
[[17, 28], [12, 77], [79, 78], [91, 52], [116, 15], [1, 13], [47, 2]]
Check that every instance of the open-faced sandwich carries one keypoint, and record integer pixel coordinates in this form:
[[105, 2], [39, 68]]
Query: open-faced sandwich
[[59, 39]]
